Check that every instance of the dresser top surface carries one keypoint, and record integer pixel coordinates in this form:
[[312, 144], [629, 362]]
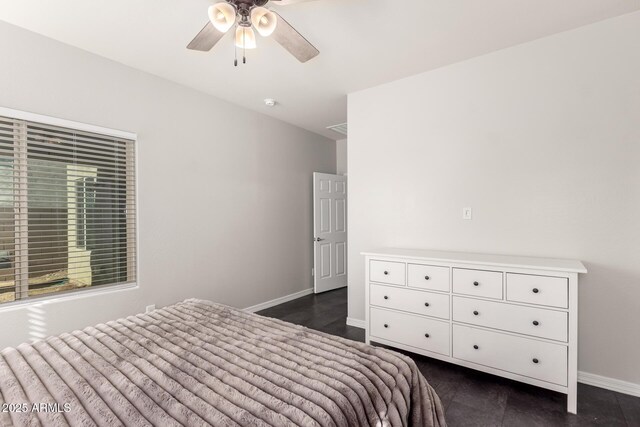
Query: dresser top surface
[[551, 264]]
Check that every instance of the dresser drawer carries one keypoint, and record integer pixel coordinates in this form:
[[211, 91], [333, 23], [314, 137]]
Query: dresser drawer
[[419, 302], [428, 277], [523, 356], [537, 322], [387, 272], [415, 331], [541, 290], [478, 283]]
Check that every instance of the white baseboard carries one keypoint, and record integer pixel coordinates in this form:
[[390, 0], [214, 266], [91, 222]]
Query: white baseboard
[[609, 383], [356, 322], [274, 302]]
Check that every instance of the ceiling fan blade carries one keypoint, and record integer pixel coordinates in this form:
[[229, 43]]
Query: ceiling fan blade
[[206, 38], [287, 2], [293, 41]]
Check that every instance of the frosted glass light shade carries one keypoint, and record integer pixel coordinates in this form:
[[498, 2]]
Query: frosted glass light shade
[[245, 38], [264, 21], [222, 15]]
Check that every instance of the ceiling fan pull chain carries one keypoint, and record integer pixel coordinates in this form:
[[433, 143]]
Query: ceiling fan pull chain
[[235, 55], [244, 46]]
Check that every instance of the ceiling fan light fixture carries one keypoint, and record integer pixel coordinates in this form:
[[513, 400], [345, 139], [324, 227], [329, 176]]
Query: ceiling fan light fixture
[[222, 15], [245, 16], [264, 21], [245, 38]]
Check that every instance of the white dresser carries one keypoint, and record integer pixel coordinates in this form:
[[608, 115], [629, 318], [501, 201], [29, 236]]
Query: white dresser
[[512, 316]]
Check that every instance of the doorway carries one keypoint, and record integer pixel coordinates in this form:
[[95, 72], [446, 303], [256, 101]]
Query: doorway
[[329, 231]]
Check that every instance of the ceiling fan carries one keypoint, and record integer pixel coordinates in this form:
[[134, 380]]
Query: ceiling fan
[[247, 15]]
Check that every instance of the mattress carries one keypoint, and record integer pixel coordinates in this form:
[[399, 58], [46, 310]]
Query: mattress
[[198, 363]]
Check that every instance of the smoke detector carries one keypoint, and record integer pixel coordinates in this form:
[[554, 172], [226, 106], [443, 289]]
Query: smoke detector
[[341, 128], [270, 102]]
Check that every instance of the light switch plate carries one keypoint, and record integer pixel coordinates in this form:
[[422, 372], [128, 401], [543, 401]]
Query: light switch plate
[[467, 213]]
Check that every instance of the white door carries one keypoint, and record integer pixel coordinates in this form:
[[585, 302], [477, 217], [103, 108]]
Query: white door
[[330, 231]]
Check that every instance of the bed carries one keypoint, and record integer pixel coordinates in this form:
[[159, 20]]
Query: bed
[[198, 363]]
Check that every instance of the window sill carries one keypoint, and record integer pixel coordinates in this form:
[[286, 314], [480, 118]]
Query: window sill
[[66, 296]]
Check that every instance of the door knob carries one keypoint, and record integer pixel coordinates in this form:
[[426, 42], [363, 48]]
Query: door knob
[[317, 239]]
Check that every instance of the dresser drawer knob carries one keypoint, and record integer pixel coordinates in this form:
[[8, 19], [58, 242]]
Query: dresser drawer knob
[[536, 323], [426, 304], [386, 297], [476, 284], [426, 335], [386, 273], [386, 326], [426, 277], [536, 290], [475, 313], [535, 360], [476, 347]]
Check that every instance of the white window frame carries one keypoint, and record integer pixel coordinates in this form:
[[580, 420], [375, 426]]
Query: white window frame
[[80, 293]]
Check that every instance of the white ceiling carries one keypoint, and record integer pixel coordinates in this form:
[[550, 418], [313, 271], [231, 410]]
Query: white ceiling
[[362, 43]]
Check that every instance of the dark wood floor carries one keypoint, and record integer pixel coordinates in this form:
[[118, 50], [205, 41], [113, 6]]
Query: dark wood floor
[[473, 398]]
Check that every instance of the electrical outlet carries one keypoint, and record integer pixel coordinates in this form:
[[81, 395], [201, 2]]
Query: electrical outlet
[[150, 308], [467, 213]]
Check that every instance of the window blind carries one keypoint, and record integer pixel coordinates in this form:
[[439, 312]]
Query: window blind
[[67, 210]]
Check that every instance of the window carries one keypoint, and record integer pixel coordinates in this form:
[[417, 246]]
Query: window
[[67, 209]]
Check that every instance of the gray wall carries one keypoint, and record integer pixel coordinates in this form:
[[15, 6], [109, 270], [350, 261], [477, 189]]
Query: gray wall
[[543, 141], [341, 157], [225, 206]]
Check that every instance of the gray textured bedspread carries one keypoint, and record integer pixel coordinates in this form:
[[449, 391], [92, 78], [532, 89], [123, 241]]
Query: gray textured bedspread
[[199, 363]]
